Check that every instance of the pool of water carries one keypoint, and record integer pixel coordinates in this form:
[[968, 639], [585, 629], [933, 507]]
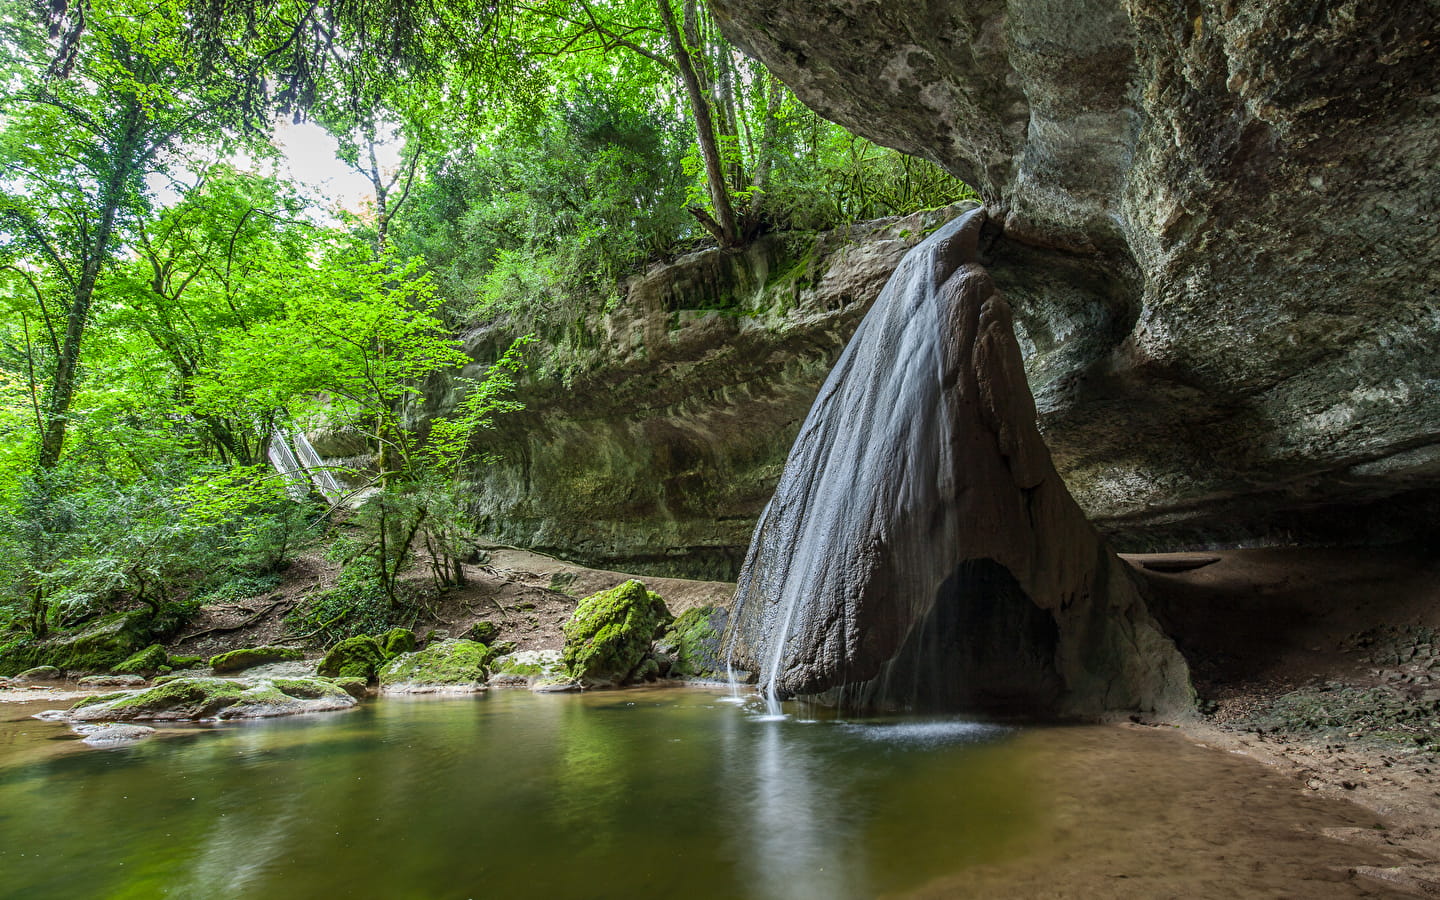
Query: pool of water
[[640, 794]]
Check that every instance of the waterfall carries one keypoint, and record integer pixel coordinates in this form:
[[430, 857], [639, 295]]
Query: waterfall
[[320, 474], [839, 496], [302, 466], [920, 548]]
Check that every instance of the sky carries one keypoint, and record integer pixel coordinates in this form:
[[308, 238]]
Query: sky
[[309, 160]]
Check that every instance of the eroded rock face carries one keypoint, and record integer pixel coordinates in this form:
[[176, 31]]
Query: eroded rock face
[[1221, 222], [653, 433], [921, 550]]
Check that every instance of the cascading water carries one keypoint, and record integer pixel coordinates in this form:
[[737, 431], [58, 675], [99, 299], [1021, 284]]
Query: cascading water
[[920, 549], [881, 405], [301, 467]]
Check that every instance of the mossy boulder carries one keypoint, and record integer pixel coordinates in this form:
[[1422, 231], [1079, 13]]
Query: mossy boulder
[[250, 657], [396, 641], [455, 666], [521, 668], [355, 687], [609, 636], [39, 673], [483, 632], [98, 646], [360, 656], [186, 662], [692, 645], [147, 662], [182, 699]]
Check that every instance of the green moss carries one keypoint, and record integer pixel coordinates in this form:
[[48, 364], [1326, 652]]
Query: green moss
[[186, 662], [356, 657], [99, 698], [148, 661], [610, 634], [456, 662], [188, 698], [355, 687], [396, 641], [204, 698], [250, 657], [483, 632], [97, 647], [309, 688], [693, 643]]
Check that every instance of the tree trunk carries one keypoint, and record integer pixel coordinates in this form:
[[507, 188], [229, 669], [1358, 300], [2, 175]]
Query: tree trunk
[[727, 232]]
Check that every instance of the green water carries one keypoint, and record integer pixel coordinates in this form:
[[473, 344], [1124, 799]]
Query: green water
[[511, 794]]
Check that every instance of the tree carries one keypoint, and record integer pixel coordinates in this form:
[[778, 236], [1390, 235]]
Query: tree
[[358, 337], [76, 152]]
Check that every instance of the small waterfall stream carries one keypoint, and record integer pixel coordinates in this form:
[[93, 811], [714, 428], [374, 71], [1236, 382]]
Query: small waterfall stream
[[302, 466]]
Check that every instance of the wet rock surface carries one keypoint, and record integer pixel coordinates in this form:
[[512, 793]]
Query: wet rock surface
[[113, 735], [921, 550]]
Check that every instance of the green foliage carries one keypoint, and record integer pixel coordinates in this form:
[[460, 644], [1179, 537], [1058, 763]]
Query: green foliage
[[356, 605], [240, 587], [610, 633]]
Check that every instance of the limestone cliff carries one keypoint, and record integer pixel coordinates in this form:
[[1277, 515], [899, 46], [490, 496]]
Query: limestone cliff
[[655, 431], [1221, 226]]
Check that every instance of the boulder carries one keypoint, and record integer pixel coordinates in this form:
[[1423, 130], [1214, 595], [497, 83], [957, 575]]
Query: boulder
[[149, 661], [186, 699], [107, 736], [355, 657], [112, 681], [609, 636], [95, 647], [38, 673], [693, 645], [454, 666], [250, 657], [355, 687], [483, 632], [522, 668]]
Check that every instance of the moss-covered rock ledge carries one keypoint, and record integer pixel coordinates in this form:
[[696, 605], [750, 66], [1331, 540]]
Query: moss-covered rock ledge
[[199, 699]]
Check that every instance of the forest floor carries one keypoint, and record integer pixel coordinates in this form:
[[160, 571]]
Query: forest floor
[[1324, 664], [527, 595]]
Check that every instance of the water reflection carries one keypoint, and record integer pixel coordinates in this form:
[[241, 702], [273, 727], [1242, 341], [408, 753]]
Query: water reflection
[[513, 794], [802, 844]]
